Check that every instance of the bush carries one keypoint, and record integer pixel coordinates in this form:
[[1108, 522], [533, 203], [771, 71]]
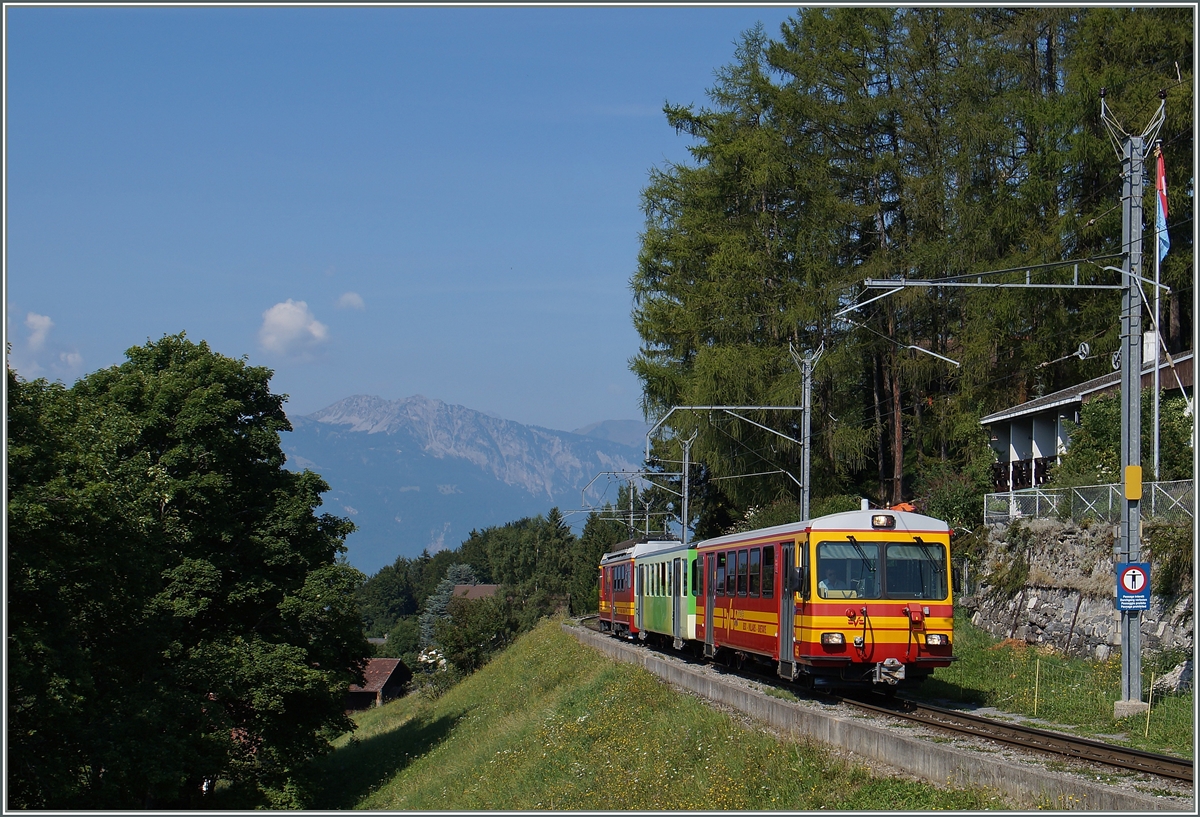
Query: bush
[[1171, 547], [952, 493], [403, 639], [475, 630]]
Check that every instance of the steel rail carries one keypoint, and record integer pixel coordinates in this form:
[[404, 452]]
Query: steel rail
[[1028, 737], [1024, 737]]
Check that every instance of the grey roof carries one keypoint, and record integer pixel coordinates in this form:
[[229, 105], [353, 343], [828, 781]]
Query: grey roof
[[475, 591], [1073, 394]]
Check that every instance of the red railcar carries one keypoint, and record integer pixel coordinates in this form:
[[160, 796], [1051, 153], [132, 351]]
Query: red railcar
[[616, 591], [858, 598]]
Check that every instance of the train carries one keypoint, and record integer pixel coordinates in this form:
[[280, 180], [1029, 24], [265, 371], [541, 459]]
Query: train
[[860, 599]]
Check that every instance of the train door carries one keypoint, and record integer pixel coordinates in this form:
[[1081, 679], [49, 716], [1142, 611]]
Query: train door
[[787, 610], [710, 591], [639, 590], [677, 588], [612, 601]]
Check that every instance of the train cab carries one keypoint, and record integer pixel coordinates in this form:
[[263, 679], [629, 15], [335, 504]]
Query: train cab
[[873, 602], [852, 599]]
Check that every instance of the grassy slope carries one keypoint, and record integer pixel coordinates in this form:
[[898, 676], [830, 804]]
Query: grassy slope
[[551, 724]]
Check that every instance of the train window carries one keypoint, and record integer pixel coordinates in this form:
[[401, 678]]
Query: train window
[[743, 563], [731, 575], [696, 577], [755, 556], [720, 574], [768, 572], [662, 579], [916, 571], [848, 570]]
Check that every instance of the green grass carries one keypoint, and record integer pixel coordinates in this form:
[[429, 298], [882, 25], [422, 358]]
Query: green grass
[[1061, 691], [551, 724]]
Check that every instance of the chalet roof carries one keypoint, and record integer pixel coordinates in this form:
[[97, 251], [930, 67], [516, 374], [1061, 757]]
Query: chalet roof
[[1078, 393], [475, 591], [376, 674]]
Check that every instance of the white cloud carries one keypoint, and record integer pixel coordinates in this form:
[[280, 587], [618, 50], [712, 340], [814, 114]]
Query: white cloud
[[39, 327], [290, 329], [72, 360], [351, 300]]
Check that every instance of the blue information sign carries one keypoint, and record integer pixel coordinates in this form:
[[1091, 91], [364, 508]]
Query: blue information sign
[[1133, 585]]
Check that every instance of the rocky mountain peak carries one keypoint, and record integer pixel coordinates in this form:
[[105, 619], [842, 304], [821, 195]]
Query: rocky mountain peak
[[418, 472]]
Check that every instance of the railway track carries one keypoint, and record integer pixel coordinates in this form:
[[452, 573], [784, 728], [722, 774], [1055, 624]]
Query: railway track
[[1024, 737], [1027, 737]]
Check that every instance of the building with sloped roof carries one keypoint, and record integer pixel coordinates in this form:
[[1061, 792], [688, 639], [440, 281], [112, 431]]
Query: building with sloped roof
[[474, 591], [383, 680], [1029, 438]]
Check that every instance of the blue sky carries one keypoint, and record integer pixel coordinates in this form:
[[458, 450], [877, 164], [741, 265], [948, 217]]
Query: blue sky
[[382, 200]]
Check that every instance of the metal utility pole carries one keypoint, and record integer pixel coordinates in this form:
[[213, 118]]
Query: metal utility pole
[[1132, 153], [687, 444], [1128, 549], [1157, 304], [687, 456], [806, 365]]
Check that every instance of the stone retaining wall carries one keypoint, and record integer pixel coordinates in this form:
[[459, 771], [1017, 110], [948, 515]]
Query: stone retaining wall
[[1067, 592]]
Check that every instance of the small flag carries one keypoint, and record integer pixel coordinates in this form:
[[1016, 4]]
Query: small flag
[[1160, 220]]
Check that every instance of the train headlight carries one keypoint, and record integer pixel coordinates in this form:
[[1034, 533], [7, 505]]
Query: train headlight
[[833, 639], [937, 639]]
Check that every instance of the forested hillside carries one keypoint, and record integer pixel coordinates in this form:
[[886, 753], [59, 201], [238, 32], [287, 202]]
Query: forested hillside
[[886, 143], [538, 563]]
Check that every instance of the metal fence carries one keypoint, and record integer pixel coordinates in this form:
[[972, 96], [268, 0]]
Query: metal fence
[[1167, 501]]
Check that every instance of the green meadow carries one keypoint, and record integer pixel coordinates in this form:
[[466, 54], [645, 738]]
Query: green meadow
[[551, 724]]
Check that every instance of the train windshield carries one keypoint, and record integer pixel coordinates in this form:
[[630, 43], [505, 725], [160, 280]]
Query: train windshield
[[851, 569], [848, 570], [916, 571]]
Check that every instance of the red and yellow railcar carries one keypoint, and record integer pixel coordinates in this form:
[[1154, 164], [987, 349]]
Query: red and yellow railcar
[[852, 599], [616, 591]]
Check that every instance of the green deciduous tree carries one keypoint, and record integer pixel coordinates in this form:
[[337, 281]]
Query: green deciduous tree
[[474, 630], [178, 611]]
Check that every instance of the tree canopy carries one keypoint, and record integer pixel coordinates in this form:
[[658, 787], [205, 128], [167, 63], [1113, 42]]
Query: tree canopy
[[178, 612], [884, 143]]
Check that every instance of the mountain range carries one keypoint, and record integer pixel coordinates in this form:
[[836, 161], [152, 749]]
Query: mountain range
[[419, 474]]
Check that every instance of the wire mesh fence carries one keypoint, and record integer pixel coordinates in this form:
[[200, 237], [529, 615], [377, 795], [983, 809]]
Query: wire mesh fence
[[1165, 501]]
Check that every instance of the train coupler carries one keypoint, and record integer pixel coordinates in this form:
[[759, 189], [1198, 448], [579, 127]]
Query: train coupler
[[889, 671]]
